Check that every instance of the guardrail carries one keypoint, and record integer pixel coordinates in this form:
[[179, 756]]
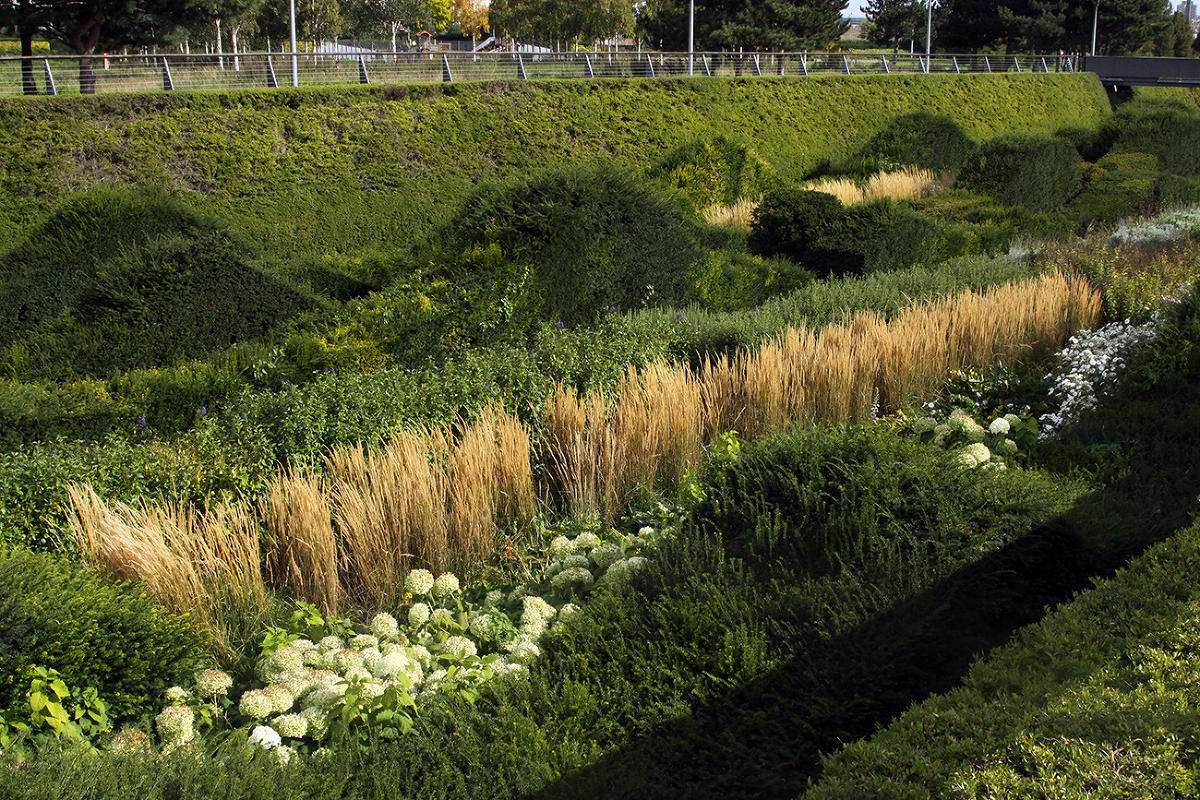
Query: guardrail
[[174, 72]]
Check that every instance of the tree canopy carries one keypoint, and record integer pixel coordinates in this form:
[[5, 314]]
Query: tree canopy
[[748, 24]]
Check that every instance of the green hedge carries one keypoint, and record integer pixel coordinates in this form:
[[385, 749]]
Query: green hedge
[[1040, 173], [96, 632], [351, 168], [717, 171], [922, 138], [1168, 129]]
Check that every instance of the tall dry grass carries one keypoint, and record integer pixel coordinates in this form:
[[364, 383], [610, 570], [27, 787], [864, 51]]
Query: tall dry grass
[[203, 562], [301, 547], [908, 183], [737, 216]]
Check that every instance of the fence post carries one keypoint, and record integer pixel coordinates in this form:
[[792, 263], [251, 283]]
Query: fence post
[[51, 88], [1016, 64], [650, 64], [446, 76], [886, 69], [272, 83], [956, 69], [782, 64], [587, 66], [987, 64], [520, 67], [363, 77], [845, 64], [803, 64], [168, 82], [755, 68], [1044, 67], [707, 68]]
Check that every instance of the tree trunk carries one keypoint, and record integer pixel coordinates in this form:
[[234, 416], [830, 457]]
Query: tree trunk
[[28, 83], [220, 46], [87, 75], [237, 63]]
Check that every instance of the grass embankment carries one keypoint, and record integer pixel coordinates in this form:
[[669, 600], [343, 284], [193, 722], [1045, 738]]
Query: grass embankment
[[353, 168]]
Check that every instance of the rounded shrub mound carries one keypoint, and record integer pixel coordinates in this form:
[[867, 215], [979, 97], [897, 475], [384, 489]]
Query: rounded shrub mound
[[717, 171], [1169, 131], [94, 631], [922, 139], [789, 222], [568, 245], [118, 279], [1038, 172]]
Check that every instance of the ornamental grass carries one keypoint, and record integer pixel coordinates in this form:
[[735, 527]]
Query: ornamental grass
[[737, 216], [909, 183]]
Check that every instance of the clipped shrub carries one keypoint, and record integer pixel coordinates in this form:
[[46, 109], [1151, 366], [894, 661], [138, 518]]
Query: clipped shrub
[[1170, 131], [568, 244], [96, 632], [716, 171], [1040, 173], [117, 279], [921, 138], [789, 223], [727, 280]]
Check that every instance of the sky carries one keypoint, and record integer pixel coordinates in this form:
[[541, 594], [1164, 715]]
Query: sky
[[855, 9]]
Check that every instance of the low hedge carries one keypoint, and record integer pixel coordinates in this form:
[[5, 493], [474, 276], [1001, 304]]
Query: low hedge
[[1040, 173], [923, 138], [717, 171]]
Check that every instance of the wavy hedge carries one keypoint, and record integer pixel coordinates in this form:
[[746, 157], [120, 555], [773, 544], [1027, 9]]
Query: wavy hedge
[[347, 168]]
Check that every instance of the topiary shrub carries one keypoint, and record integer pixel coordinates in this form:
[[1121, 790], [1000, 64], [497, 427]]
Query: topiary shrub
[[1170, 131], [96, 632], [789, 222], [1040, 173], [568, 245], [119, 279], [716, 171], [922, 139], [729, 281]]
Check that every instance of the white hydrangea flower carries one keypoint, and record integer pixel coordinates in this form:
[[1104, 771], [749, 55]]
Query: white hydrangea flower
[[284, 660], [577, 560], [586, 541], [567, 611], [384, 626], [445, 585], [358, 674], [418, 614], [607, 554], [517, 595], [436, 676], [645, 531], [175, 725], [304, 645], [293, 726], [924, 425], [281, 699], [297, 682], [176, 695], [459, 647], [344, 659], [534, 606], [493, 598], [318, 722], [371, 690], [1011, 419], [364, 641], [421, 655], [561, 547], [617, 572], [979, 452], [519, 670], [941, 433], [419, 582], [442, 618], [213, 683], [324, 678], [555, 568], [572, 578], [284, 754], [391, 664], [1007, 448], [313, 658], [974, 432], [524, 652], [266, 737], [637, 564], [999, 426], [255, 704], [324, 699], [967, 460], [371, 658], [483, 626], [330, 643]]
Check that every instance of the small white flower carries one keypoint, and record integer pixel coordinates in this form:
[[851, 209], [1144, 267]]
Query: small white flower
[[176, 695], [358, 675], [446, 584], [606, 554], [256, 704], [384, 626], [281, 699], [567, 611], [364, 641], [266, 737], [586, 541], [213, 683], [344, 659], [331, 642], [175, 724], [645, 530], [318, 722], [458, 646], [525, 652], [418, 614], [561, 547], [999, 426], [493, 598], [419, 582]]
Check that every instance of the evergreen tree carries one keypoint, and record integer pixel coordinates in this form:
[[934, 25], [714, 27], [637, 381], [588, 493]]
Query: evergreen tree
[[747, 24], [894, 23]]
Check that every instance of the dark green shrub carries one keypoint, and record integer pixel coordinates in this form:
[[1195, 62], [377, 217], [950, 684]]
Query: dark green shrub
[[982, 224], [117, 279], [1118, 193], [880, 235], [1040, 173], [789, 222], [716, 171], [1129, 162], [1170, 131], [728, 280], [922, 139], [96, 632], [568, 245]]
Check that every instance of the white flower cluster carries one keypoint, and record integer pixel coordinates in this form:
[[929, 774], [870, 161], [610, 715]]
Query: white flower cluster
[[1167, 228], [1090, 365], [175, 726], [960, 432]]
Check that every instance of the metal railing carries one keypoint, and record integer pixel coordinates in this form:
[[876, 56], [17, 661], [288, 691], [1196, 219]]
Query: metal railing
[[174, 72]]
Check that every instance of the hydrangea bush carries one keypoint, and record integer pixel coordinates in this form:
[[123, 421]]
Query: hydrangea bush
[[991, 446], [319, 680]]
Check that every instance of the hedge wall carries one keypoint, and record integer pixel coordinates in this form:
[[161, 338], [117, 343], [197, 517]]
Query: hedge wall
[[345, 168]]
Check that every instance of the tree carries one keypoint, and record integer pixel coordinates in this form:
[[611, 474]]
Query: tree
[[471, 16], [554, 22], [749, 24], [893, 22], [1125, 26], [88, 26]]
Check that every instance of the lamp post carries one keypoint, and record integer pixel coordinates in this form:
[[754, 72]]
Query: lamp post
[[1095, 25], [691, 37], [292, 33], [928, 29]]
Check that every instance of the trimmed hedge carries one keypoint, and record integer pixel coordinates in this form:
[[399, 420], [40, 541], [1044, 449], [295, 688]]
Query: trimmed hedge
[[1040, 173], [350, 168], [922, 139], [118, 279], [96, 632], [717, 171], [1169, 130]]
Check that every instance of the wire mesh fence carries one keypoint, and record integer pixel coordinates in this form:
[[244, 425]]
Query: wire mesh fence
[[174, 72]]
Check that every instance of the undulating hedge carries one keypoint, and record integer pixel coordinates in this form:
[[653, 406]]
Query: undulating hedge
[[717, 171], [96, 632], [923, 138], [1040, 173], [343, 169]]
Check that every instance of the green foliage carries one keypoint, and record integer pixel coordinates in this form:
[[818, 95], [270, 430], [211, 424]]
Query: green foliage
[[53, 711], [1040, 173], [972, 223], [351, 169], [1114, 193], [717, 171], [567, 244], [921, 138], [1169, 130], [118, 279], [789, 223], [95, 632], [727, 280]]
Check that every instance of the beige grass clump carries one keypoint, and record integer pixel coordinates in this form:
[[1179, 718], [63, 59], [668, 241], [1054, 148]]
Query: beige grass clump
[[205, 563], [846, 190], [909, 183], [302, 557], [737, 216]]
